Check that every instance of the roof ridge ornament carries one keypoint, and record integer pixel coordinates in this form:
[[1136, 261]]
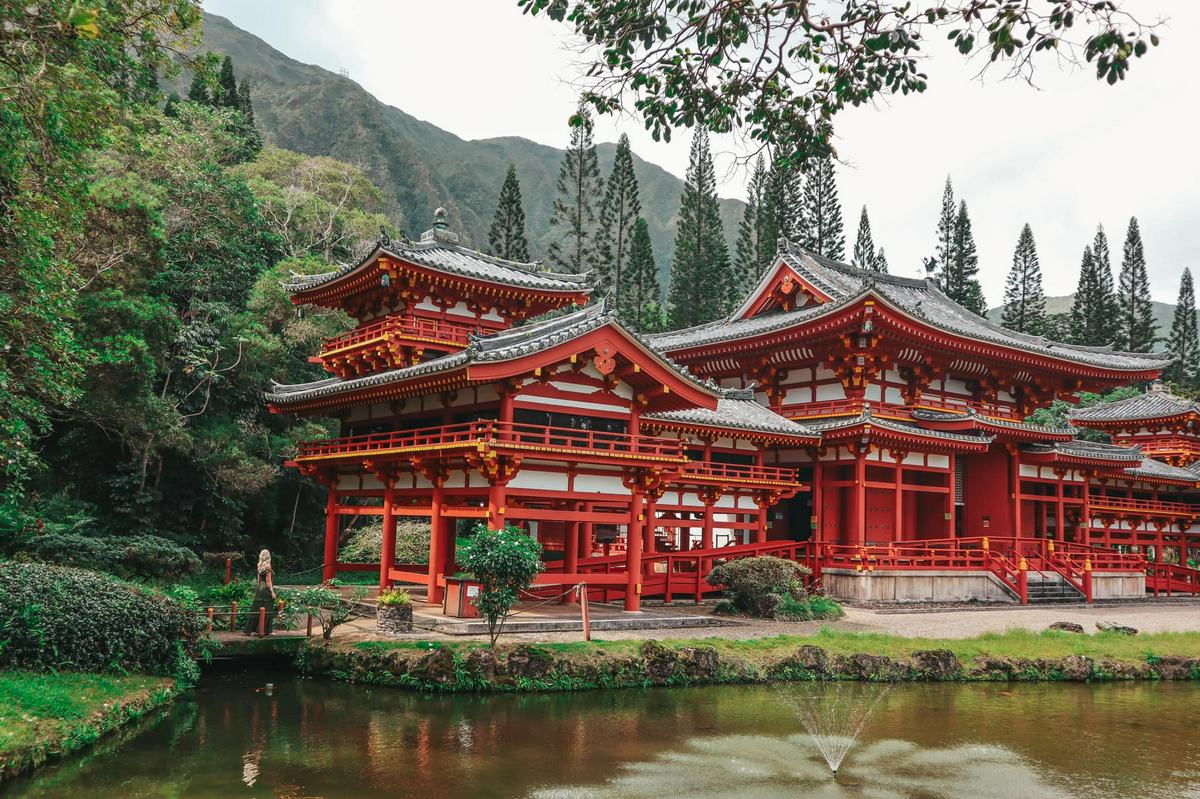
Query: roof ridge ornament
[[384, 239], [440, 230]]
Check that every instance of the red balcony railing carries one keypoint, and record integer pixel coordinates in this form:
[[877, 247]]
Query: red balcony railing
[[503, 435], [1148, 506], [852, 407], [430, 331], [737, 473]]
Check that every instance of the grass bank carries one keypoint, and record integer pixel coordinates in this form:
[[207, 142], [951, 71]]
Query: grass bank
[[828, 655], [47, 715]]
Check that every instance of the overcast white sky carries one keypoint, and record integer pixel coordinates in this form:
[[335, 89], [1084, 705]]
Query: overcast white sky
[[1065, 156]]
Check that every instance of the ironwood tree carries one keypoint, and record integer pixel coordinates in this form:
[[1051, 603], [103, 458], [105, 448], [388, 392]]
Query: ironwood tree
[[1024, 298], [573, 220], [780, 72], [753, 250], [1093, 317], [641, 299], [506, 236], [618, 211], [821, 211], [1183, 345], [959, 275], [699, 269], [1137, 331], [866, 256]]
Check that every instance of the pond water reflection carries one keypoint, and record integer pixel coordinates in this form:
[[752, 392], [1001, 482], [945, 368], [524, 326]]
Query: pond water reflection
[[321, 739]]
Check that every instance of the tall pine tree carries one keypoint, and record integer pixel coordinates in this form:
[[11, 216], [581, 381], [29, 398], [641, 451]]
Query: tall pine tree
[[579, 186], [959, 275], [226, 93], [944, 252], [1086, 326], [699, 268], [1184, 343], [1136, 329], [506, 237], [752, 252], [865, 254], [642, 297], [618, 211], [822, 213], [1024, 299], [1106, 296]]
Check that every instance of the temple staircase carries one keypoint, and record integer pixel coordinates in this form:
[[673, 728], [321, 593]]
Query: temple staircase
[[1047, 588]]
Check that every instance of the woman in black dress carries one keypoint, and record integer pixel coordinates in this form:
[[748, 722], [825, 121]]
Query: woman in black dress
[[264, 596]]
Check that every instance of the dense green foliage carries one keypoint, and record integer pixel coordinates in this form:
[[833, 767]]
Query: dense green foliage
[[326, 604], [1024, 298], [53, 617], [619, 211], [642, 297], [759, 586], [1056, 414], [504, 562], [148, 557], [151, 318]]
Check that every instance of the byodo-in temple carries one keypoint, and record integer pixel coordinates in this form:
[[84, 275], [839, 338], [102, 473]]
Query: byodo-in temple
[[862, 423]]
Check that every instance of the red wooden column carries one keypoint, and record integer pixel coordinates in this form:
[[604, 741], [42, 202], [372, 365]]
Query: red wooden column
[[387, 554], [860, 497], [1017, 522], [571, 552], [329, 567], [496, 505], [1060, 515], [437, 543], [1085, 513], [898, 499], [952, 484], [633, 552], [760, 520], [648, 544], [818, 499], [586, 533]]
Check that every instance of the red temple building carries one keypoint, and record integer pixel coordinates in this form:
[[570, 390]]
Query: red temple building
[[862, 423]]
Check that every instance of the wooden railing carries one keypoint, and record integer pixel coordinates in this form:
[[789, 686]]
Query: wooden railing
[[1151, 506], [851, 407], [1169, 578], [429, 330], [737, 473], [543, 438]]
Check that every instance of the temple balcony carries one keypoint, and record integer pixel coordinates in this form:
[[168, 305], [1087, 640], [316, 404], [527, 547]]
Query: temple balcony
[[469, 440], [1177, 450], [1124, 507], [734, 475], [826, 409], [391, 343]]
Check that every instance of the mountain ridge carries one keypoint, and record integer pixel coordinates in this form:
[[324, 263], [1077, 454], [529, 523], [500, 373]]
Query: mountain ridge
[[419, 166], [1164, 315]]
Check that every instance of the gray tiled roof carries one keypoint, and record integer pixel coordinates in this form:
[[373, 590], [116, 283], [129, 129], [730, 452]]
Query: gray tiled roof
[[894, 425], [923, 415], [503, 346], [1146, 406], [920, 298], [1080, 448], [737, 408], [1151, 469], [447, 256]]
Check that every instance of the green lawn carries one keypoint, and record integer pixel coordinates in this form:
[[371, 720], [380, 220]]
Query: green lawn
[[42, 715], [1010, 644]]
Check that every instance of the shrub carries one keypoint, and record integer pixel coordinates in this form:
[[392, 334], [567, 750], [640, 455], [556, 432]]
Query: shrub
[[54, 617], [147, 556], [505, 563], [236, 590], [366, 543], [759, 586], [394, 598], [810, 608], [326, 604]]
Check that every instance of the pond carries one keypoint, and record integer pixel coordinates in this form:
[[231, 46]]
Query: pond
[[323, 739]]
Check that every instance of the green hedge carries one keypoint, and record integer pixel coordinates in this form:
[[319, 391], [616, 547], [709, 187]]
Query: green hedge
[[146, 556], [54, 617]]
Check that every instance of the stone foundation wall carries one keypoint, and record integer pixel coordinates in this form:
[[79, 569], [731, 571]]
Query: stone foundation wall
[[913, 586], [1118, 585]]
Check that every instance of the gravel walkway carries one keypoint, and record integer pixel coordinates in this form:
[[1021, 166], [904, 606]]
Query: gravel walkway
[[1166, 616]]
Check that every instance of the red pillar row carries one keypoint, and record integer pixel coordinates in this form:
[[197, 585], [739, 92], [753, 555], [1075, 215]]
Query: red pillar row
[[329, 567], [633, 553], [387, 554]]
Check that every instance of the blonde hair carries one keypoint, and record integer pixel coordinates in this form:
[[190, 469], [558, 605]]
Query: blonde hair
[[264, 561]]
